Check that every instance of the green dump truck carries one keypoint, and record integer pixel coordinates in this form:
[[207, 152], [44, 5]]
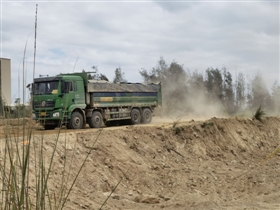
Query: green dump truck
[[74, 100]]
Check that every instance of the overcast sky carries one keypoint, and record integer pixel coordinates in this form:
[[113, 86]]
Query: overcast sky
[[75, 35]]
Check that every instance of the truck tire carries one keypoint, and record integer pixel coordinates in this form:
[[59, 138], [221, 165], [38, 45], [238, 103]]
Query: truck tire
[[135, 116], [96, 120], [49, 127], [146, 116], [76, 121]]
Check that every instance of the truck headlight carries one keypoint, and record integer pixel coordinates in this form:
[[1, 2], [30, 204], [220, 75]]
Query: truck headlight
[[56, 114]]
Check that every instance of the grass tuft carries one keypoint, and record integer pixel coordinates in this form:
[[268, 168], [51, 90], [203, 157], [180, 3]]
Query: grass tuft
[[259, 114], [178, 130]]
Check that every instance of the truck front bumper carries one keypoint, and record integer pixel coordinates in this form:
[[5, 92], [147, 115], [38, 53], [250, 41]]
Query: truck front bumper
[[45, 115]]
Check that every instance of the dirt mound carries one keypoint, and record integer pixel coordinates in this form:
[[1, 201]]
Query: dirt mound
[[186, 165]]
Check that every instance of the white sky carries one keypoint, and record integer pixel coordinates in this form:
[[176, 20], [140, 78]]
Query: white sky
[[239, 35]]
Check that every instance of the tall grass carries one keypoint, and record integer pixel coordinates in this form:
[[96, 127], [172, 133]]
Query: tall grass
[[26, 168]]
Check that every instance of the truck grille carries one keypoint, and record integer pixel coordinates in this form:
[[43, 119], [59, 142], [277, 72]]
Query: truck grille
[[43, 104]]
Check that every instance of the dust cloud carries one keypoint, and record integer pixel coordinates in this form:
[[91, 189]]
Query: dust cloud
[[195, 105]]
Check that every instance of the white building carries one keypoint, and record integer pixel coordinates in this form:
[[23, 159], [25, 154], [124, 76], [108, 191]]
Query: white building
[[5, 80]]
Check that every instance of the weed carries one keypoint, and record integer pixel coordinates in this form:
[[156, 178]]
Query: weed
[[259, 114], [177, 130]]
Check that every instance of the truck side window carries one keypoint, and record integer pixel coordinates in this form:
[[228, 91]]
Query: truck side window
[[65, 87], [68, 86]]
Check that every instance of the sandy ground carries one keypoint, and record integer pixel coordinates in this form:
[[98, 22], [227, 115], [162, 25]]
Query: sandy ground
[[168, 164]]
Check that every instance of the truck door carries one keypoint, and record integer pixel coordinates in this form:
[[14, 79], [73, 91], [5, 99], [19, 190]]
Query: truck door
[[68, 89], [74, 92]]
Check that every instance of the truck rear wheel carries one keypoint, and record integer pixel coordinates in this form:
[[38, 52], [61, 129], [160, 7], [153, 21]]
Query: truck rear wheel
[[76, 121], [135, 116], [96, 120], [146, 116]]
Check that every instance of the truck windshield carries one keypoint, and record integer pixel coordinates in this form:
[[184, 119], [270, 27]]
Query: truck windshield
[[42, 88]]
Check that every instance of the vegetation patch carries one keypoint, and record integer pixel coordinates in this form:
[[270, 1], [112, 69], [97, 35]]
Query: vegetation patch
[[259, 114], [178, 130]]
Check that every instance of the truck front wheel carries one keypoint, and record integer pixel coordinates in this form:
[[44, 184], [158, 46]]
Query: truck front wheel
[[76, 121], [135, 116], [96, 120]]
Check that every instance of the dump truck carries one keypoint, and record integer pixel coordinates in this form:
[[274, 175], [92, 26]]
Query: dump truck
[[73, 100]]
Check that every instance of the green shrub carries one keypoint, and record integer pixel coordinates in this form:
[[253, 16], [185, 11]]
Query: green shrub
[[259, 113]]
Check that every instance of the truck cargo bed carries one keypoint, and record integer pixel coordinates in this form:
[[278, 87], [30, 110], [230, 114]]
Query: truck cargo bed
[[124, 94]]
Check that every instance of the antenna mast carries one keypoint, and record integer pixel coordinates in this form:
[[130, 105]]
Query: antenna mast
[[34, 52]]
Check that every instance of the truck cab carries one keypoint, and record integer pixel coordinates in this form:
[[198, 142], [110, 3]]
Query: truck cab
[[55, 98]]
